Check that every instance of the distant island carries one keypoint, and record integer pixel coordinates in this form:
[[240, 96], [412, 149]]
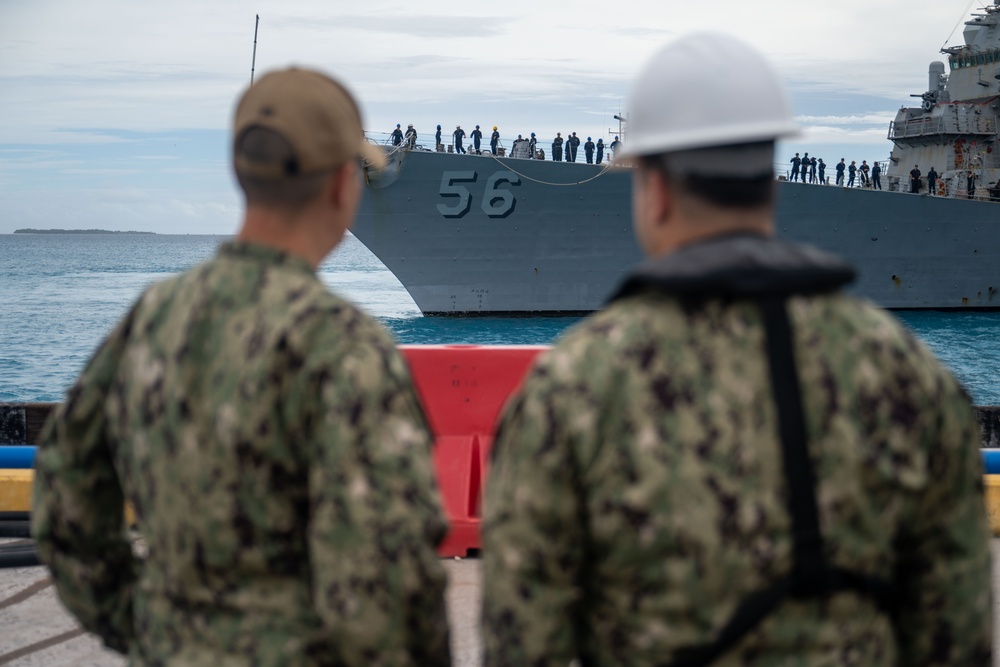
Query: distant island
[[74, 231]]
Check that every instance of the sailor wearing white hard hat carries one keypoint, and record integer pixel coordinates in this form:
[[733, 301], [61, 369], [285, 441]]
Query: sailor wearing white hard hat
[[721, 466], [706, 90]]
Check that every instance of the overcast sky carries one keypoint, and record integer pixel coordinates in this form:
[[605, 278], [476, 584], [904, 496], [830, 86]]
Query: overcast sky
[[115, 114]]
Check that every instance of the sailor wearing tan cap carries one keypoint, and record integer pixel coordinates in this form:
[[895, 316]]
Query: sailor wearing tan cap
[[264, 429]]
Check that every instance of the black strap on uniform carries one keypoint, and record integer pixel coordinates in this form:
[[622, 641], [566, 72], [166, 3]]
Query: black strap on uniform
[[811, 576]]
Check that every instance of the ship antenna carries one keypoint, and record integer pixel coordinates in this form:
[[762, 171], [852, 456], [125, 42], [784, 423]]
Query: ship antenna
[[253, 63], [961, 20]]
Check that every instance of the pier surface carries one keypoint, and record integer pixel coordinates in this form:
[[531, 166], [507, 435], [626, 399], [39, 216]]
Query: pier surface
[[35, 630]]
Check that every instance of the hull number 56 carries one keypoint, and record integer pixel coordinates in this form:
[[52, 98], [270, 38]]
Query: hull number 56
[[497, 202]]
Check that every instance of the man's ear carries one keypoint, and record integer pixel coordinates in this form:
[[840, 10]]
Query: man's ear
[[341, 184], [662, 200]]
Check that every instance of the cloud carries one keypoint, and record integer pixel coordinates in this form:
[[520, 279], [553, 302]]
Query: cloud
[[882, 119], [104, 93], [424, 61], [643, 32], [840, 135], [422, 26], [100, 171]]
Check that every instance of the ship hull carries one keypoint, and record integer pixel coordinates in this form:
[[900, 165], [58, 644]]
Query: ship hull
[[470, 235]]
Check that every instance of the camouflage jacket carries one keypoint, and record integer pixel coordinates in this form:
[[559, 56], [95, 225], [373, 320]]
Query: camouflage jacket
[[637, 495], [268, 437]]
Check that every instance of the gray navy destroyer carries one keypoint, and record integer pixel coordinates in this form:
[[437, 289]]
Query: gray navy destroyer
[[479, 234]]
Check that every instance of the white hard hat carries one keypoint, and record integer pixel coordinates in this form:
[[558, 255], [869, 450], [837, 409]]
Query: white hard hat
[[703, 90]]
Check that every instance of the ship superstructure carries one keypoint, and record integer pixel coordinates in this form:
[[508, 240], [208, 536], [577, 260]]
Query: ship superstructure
[[954, 130]]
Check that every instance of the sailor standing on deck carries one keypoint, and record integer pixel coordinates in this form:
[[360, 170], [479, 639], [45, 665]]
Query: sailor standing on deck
[[264, 429], [557, 145], [437, 139], [932, 177], [863, 170], [588, 149], [574, 143], [615, 148], [515, 146], [532, 143], [477, 138], [735, 462], [822, 171], [600, 150], [841, 166], [915, 179], [796, 161], [458, 135], [411, 137], [397, 136], [876, 176], [494, 140]]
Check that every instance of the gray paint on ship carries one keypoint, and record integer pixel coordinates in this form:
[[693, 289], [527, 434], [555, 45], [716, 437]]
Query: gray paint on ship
[[563, 248]]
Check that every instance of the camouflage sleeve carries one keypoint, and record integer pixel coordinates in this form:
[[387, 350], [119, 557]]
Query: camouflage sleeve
[[945, 608], [533, 538], [78, 505], [375, 515]]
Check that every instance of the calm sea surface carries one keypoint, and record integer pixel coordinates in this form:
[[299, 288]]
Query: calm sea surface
[[61, 294]]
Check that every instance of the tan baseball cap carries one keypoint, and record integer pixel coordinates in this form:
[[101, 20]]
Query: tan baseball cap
[[314, 113]]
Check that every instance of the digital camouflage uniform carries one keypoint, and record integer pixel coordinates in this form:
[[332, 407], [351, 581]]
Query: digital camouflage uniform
[[637, 496], [267, 434]]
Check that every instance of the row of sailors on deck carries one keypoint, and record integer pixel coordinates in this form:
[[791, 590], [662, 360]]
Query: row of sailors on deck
[[527, 148]]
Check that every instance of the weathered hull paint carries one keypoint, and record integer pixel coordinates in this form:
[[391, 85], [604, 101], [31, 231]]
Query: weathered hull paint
[[468, 234]]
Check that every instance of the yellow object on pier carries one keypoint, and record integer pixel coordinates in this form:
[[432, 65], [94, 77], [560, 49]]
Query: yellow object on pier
[[992, 494], [15, 490], [15, 493], [15, 496]]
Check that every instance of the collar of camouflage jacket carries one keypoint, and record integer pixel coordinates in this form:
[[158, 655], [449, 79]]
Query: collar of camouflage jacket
[[743, 265], [264, 254]]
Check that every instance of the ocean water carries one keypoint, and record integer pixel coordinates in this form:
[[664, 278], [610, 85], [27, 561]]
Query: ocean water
[[61, 294]]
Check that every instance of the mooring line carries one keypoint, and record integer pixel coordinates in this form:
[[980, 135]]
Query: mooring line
[[535, 180]]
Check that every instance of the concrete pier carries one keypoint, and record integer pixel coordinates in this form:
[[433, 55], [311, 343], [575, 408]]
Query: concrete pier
[[36, 631]]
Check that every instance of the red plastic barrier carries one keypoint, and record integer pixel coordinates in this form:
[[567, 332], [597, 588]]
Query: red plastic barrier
[[462, 389]]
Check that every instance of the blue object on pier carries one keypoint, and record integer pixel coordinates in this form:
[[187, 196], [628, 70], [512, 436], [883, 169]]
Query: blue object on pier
[[17, 456], [991, 461]]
